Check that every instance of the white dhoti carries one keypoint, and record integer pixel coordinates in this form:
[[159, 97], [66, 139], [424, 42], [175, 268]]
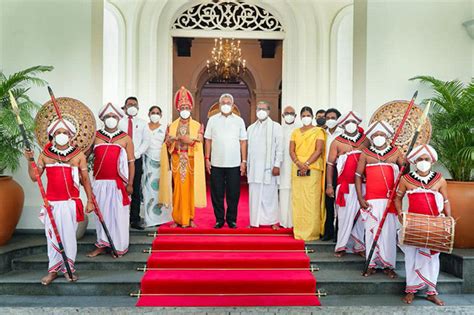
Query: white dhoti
[[385, 254], [115, 214], [286, 210], [65, 216], [350, 235], [422, 269], [263, 204]]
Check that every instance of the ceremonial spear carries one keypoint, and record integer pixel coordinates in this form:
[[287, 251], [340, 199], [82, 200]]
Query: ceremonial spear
[[47, 205], [395, 186], [96, 205]]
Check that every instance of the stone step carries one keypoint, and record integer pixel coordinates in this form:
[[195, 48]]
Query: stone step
[[327, 260], [115, 281]]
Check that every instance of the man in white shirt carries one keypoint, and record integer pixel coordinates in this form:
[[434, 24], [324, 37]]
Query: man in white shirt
[[265, 153], [225, 154], [332, 131], [138, 130], [288, 126]]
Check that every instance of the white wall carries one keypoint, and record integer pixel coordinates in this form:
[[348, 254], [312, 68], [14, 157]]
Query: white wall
[[406, 38], [66, 35]]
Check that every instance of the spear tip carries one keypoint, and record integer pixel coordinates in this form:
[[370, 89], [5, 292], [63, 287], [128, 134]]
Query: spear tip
[[415, 95], [50, 90]]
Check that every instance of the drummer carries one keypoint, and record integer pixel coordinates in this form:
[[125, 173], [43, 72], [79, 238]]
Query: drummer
[[427, 194]]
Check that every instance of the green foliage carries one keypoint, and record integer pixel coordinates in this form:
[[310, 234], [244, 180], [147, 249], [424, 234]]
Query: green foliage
[[452, 120], [11, 144]]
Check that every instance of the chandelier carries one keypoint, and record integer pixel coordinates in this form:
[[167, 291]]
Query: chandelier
[[226, 63]]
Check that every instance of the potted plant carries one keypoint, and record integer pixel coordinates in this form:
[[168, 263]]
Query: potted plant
[[453, 138], [11, 144]]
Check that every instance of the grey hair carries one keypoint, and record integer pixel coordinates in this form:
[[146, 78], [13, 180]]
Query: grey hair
[[226, 95], [266, 103]]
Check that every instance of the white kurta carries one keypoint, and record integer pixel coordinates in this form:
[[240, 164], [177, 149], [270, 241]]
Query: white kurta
[[286, 211], [115, 214], [350, 235], [65, 216], [264, 153], [421, 264]]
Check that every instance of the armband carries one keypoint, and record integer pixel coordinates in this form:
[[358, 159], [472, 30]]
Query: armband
[[130, 161], [358, 175], [330, 164], [446, 201]]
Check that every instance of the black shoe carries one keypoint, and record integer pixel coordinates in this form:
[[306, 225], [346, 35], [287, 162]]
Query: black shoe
[[232, 225], [218, 225], [326, 238], [136, 226]]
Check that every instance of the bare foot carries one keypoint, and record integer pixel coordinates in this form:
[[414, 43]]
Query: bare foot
[[390, 273], [435, 300], [340, 254], [96, 252], [251, 227], [49, 278], [275, 227], [408, 299], [369, 272], [361, 254], [74, 277], [192, 224], [173, 225]]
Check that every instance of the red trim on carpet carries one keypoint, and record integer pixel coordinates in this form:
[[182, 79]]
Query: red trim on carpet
[[192, 248]]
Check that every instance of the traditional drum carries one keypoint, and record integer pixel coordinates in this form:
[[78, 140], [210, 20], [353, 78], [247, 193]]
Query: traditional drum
[[426, 231]]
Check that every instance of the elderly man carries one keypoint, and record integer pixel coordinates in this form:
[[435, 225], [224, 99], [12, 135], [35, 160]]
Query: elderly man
[[184, 144], [288, 126], [265, 153], [427, 194], [64, 165], [113, 173], [137, 129], [225, 154], [379, 163], [346, 150]]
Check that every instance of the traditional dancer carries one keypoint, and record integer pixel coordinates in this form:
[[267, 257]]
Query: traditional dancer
[[264, 157], [184, 144], [114, 169], [346, 150], [427, 194], [380, 165], [65, 167]]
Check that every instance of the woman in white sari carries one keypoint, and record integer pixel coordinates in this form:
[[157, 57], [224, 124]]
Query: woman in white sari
[[155, 214]]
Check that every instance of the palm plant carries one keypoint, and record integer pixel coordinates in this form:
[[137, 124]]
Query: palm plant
[[453, 125], [11, 144]]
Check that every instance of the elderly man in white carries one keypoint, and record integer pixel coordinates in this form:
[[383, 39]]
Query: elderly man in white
[[265, 153], [288, 126]]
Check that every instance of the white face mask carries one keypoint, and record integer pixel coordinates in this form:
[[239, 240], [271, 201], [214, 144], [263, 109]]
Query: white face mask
[[307, 120], [111, 122], [262, 114], [331, 123], [155, 118], [226, 109], [61, 139], [379, 141], [132, 111], [351, 127], [289, 119], [423, 166], [185, 114]]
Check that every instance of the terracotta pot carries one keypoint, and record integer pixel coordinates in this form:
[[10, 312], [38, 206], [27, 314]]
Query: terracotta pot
[[461, 198], [11, 206]]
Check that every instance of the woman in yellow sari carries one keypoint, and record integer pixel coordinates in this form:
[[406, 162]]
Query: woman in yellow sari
[[307, 178]]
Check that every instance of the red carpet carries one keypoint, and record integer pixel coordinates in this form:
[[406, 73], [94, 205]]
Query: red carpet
[[227, 267]]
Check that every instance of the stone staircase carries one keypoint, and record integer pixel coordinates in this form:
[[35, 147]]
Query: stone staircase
[[24, 261]]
